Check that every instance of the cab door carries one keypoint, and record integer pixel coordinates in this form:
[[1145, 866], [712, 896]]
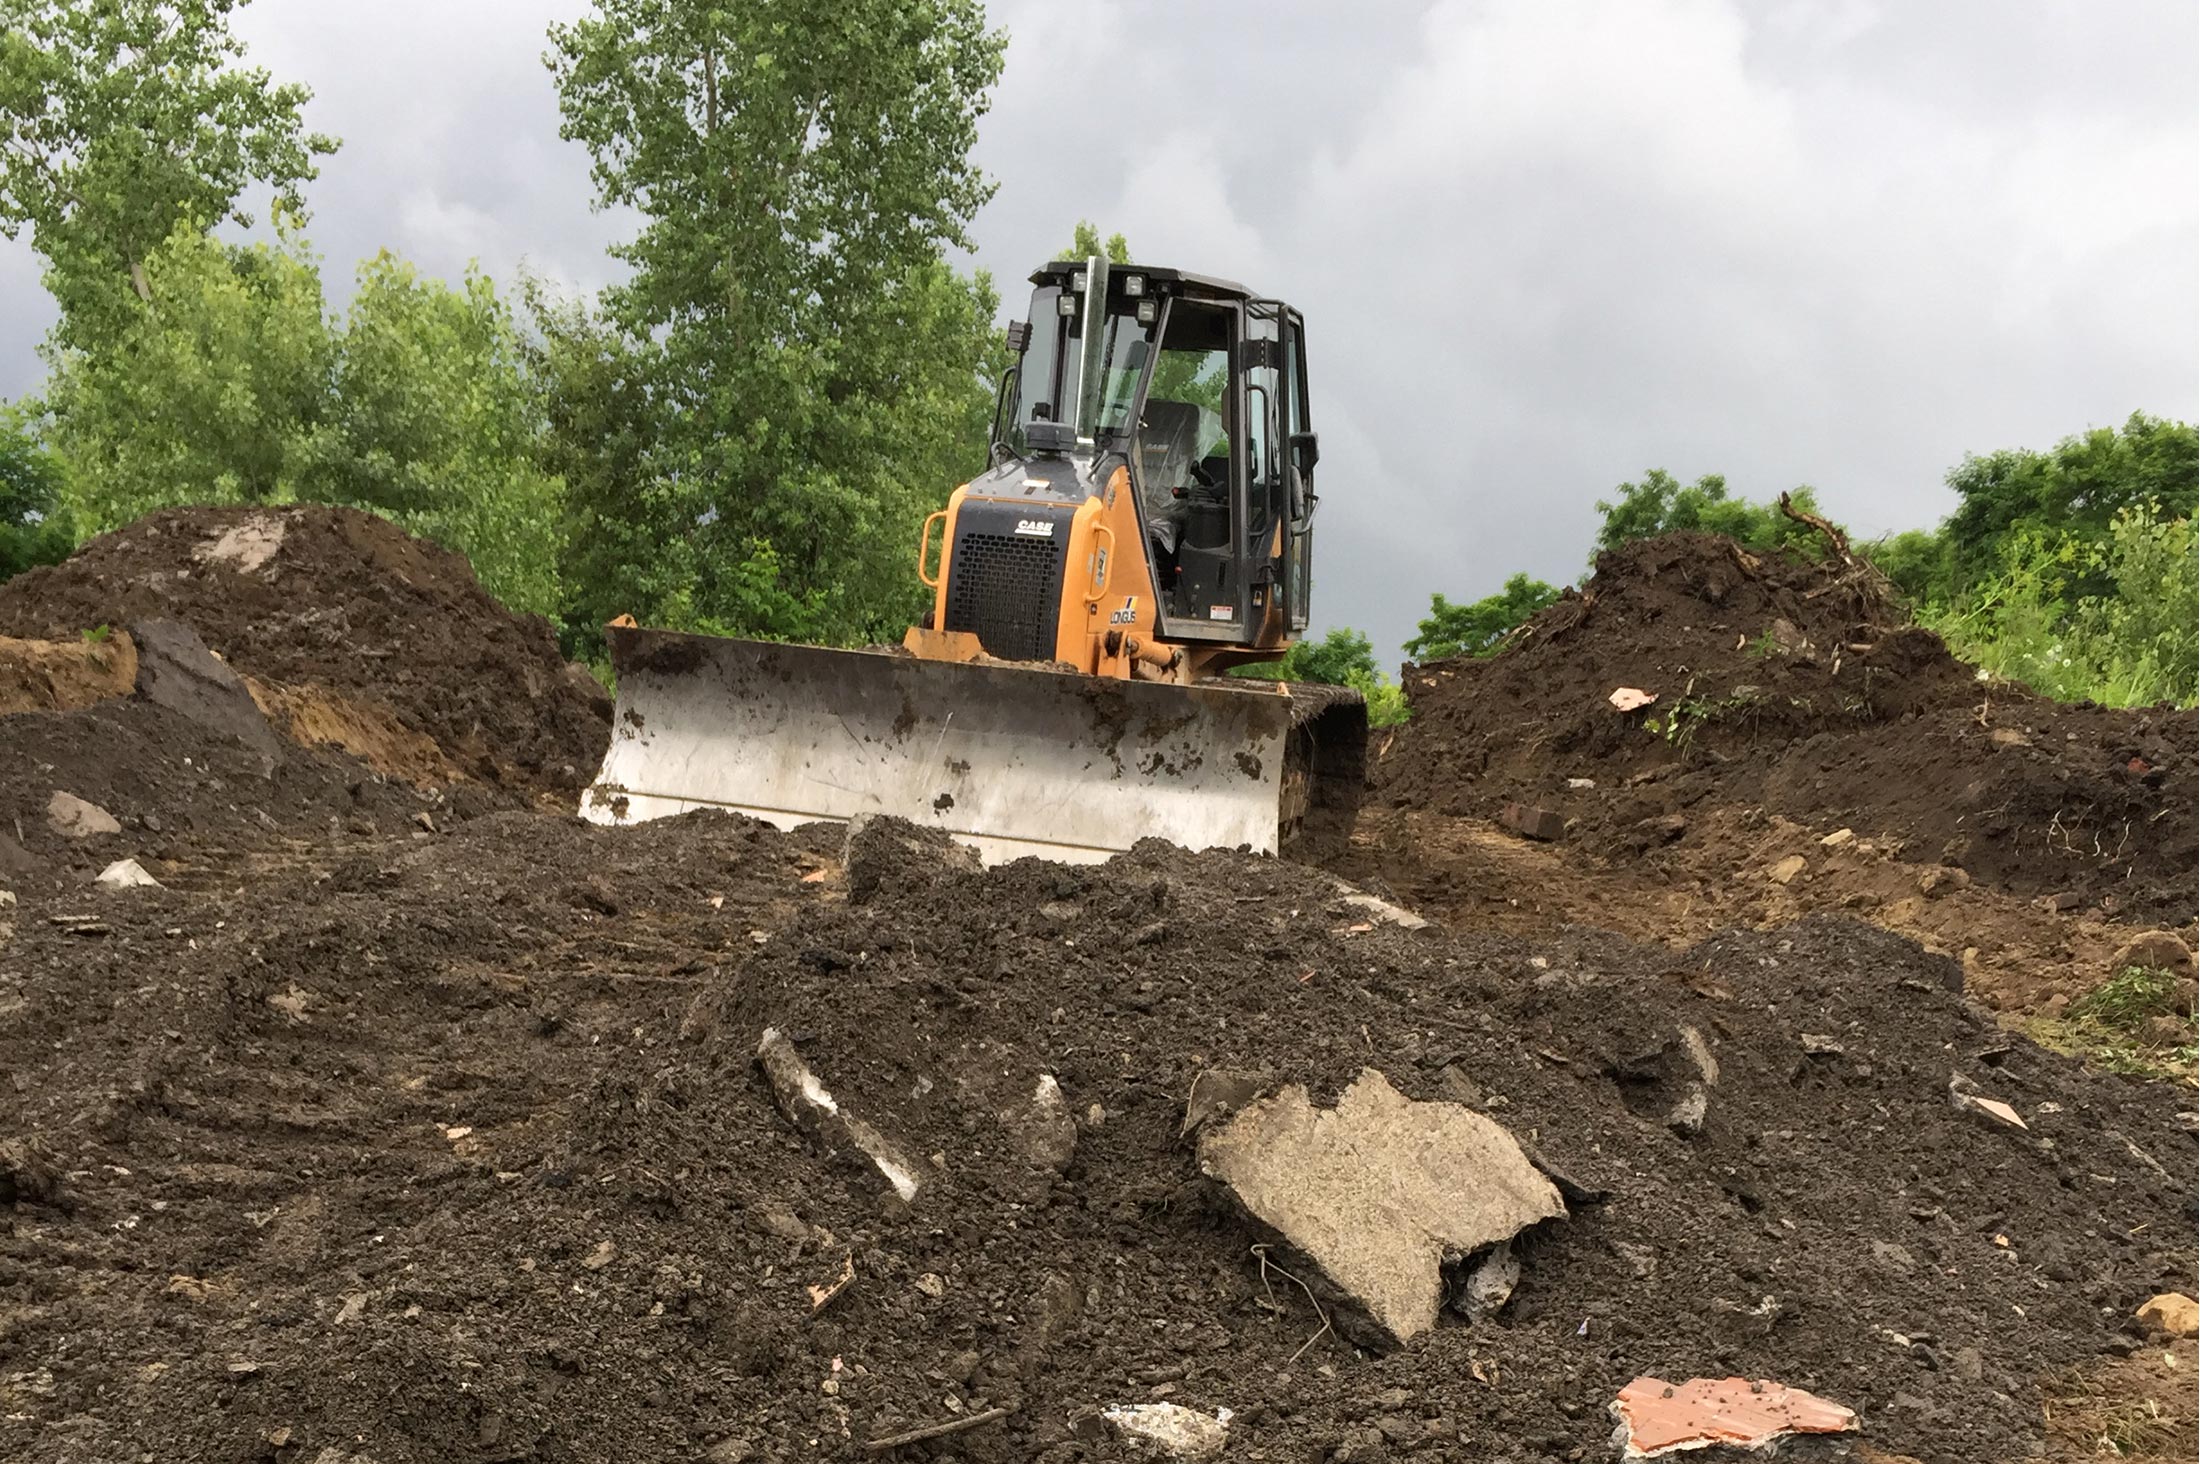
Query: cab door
[[1298, 466]]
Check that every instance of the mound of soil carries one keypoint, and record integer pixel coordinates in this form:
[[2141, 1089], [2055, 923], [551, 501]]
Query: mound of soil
[[355, 632], [498, 1179], [1780, 687]]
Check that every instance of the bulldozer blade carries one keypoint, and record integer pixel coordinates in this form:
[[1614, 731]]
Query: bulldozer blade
[[1012, 760]]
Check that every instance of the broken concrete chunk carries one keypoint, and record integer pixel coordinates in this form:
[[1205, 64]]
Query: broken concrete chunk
[[812, 1109], [1838, 838], [1657, 1417], [176, 670], [1787, 869], [1965, 1095], [1384, 910], [1379, 1192], [1043, 1129], [2171, 1313], [1220, 1092], [1532, 823], [128, 874], [1490, 1283], [1171, 1430], [73, 818], [1630, 698]]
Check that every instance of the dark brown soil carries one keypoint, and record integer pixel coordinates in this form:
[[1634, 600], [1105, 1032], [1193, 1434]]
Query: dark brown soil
[[1782, 690], [457, 1152], [193, 805], [342, 601]]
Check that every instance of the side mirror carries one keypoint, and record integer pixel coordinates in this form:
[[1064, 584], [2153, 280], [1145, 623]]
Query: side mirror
[[1306, 450]]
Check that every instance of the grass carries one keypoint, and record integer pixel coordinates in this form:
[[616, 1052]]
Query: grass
[[2112, 1027]]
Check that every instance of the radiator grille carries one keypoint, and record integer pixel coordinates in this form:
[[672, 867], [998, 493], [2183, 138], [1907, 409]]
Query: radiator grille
[[1008, 591]]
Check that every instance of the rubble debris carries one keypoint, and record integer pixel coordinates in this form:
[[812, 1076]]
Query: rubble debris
[[128, 874], [1218, 1092], [1656, 1417], [1490, 1282], [1965, 1095], [1043, 1129], [1785, 871], [1839, 838], [73, 818], [2172, 1313], [1529, 822], [824, 1296], [812, 1109], [604, 1254], [1380, 1192], [1630, 698], [177, 671], [1396, 915], [1170, 1429], [1687, 1115]]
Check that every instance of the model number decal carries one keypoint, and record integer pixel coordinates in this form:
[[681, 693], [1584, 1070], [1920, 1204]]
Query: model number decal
[[1128, 615], [1036, 528]]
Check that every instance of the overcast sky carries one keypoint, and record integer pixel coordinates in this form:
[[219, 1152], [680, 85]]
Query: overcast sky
[[1542, 245]]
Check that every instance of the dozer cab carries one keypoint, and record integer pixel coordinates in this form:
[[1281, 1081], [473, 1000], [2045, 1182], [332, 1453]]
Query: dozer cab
[[1145, 525]]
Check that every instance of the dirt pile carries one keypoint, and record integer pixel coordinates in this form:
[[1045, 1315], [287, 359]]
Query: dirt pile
[[354, 632], [500, 1178], [1780, 688]]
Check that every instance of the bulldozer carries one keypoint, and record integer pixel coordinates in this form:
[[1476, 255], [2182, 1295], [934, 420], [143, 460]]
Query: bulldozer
[[1145, 525]]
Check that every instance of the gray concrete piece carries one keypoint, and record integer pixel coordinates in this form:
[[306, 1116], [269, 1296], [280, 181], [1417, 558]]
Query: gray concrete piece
[[1379, 1192], [177, 671]]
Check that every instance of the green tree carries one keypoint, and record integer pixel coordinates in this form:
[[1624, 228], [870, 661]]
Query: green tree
[[120, 119], [1661, 504], [1917, 562], [429, 418], [1477, 628], [2081, 484], [231, 384], [1343, 657], [206, 392], [816, 370], [1085, 242], [33, 527]]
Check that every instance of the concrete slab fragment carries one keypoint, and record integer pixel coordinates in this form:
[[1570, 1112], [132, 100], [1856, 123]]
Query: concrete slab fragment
[[814, 1110], [1171, 1430], [1379, 1192]]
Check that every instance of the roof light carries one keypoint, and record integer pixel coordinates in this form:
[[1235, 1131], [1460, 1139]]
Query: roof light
[[1134, 285], [1077, 282], [1067, 305], [1146, 312]]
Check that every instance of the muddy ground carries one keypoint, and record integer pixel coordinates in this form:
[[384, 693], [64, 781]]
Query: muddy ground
[[414, 1122]]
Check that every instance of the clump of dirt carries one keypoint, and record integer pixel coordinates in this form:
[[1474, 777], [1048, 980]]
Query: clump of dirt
[[499, 1179], [352, 616], [1782, 686]]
